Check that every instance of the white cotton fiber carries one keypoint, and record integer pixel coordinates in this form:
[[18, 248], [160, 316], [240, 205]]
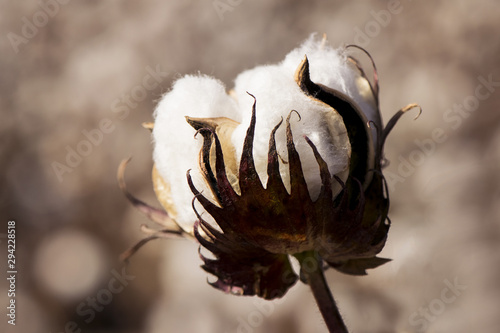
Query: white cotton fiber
[[277, 94], [176, 150]]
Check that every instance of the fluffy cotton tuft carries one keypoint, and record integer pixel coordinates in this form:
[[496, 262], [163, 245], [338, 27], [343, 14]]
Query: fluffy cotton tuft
[[277, 94], [176, 150]]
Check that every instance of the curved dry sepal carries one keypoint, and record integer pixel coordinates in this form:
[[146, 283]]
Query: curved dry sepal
[[170, 228], [154, 214], [152, 235], [298, 186], [362, 152], [390, 125], [326, 193], [224, 127], [148, 125], [125, 255], [274, 180], [375, 89], [204, 161], [249, 180], [358, 266], [382, 132]]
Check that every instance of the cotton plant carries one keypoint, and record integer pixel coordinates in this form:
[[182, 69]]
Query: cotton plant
[[286, 164]]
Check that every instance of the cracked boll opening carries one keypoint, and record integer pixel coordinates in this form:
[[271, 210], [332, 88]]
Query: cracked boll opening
[[277, 94]]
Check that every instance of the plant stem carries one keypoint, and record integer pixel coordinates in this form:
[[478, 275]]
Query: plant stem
[[311, 267]]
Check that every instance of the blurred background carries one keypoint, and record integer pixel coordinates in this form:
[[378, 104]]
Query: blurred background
[[79, 77]]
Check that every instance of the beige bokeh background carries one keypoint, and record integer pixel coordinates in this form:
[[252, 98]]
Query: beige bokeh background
[[79, 66]]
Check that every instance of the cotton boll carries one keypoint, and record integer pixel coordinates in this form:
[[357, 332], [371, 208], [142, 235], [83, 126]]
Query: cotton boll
[[277, 94], [176, 150]]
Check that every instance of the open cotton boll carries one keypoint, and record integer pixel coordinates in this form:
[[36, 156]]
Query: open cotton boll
[[250, 228], [277, 94], [176, 150]]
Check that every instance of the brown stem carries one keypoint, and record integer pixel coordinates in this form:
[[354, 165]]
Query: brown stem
[[312, 272]]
